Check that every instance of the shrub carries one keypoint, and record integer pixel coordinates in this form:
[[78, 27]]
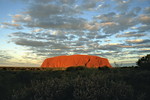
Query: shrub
[[52, 89], [103, 68], [101, 88], [78, 84], [144, 62], [75, 68], [24, 76], [91, 87]]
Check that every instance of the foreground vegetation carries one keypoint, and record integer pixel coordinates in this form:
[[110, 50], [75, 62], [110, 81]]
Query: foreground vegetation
[[75, 84]]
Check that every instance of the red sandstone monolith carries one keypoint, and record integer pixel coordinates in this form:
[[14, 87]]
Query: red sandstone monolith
[[76, 60]]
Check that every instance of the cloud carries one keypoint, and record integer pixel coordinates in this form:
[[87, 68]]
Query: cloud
[[144, 28], [114, 22], [144, 50], [46, 10], [18, 21], [48, 14], [101, 36], [142, 46], [122, 5], [89, 5], [135, 10], [18, 35], [60, 14], [110, 47], [26, 42], [107, 24], [138, 41], [50, 1], [37, 30], [131, 34], [60, 27], [81, 51], [126, 46], [144, 19], [5, 57], [40, 42], [45, 44], [11, 25], [59, 22], [140, 51], [21, 18], [147, 10], [102, 6], [106, 17]]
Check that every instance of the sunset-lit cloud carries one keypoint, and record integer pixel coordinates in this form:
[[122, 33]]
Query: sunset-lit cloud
[[144, 19], [131, 34], [138, 41]]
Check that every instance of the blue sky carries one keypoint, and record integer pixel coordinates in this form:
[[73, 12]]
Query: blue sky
[[32, 30]]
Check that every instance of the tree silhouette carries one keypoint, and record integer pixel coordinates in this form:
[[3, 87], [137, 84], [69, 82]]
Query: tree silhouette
[[144, 61]]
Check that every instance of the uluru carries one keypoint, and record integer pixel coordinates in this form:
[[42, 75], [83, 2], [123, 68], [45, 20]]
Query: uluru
[[89, 61]]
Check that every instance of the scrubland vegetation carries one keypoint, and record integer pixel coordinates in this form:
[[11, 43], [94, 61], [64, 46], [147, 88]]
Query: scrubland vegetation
[[75, 83]]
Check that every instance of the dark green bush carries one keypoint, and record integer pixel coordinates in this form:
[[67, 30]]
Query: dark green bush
[[75, 68], [103, 68], [144, 62], [24, 76]]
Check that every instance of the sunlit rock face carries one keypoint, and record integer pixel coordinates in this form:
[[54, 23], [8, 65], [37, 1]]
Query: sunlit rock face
[[76, 60]]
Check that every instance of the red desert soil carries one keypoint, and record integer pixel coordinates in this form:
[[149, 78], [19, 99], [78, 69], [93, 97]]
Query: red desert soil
[[76, 60]]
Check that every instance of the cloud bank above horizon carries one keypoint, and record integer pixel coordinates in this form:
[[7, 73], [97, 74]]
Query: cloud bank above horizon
[[114, 29]]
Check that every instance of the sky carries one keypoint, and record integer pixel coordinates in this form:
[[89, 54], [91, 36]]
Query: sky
[[33, 30]]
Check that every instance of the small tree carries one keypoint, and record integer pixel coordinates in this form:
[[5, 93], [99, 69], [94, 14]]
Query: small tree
[[144, 61]]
